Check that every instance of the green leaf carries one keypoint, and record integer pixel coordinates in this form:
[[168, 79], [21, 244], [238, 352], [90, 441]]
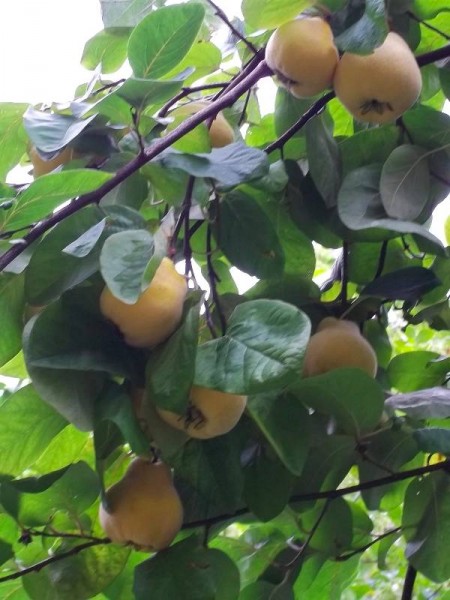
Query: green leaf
[[353, 398], [368, 147], [410, 283], [431, 403], [165, 390], [288, 110], [332, 579], [405, 182], [51, 132], [12, 134], [267, 486], [52, 271], [324, 159], [161, 40], [247, 237], [202, 59], [73, 492], [412, 371], [48, 192], [123, 261], [433, 439], [263, 349], [284, 421], [187, 571], [11, 315], [268, 14], [359, 205], [231, 165], [23, 416], [335, 531], [367, 33], [141, 93], [106, 50], [80, 576], [208, 475], [124, 13], [426, 525], [426, 10]]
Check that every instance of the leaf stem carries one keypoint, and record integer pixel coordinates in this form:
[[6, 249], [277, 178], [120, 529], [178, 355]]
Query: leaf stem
[[238, 34]]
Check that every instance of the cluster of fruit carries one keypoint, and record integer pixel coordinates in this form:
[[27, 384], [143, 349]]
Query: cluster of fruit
[[143, 508], [374, 88]]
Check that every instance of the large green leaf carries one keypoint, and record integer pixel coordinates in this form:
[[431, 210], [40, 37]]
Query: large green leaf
[[335, 531], [367, 33], [24, 417], [106, 50], [160, 41], [263, 349], [418, 369], [247, 236], [426, 525], [410, 283], [187, 571], [261, 14], [165, 390], [11, 309], [353, 398], [141, 93], [433, 439], [124, 13], [284, 421], [48, 192], [329, 581], [12, 135]]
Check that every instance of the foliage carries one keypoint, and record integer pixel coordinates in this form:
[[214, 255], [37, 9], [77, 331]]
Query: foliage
[[326, 483]]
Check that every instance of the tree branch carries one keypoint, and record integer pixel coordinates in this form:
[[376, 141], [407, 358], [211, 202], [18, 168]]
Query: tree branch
[[55, 558], [219, 12], [161, 144], [410, 580], [348, 555], [332, 494]]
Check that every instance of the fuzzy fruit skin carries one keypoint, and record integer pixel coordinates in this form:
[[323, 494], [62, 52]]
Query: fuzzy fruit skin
[[42, 167], [144, 506], [221, 412], [303, 55], [220, 133], [379, 87], [157, 312], [336, 344]]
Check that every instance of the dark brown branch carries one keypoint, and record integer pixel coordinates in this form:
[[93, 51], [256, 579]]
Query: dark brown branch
[[339, 493], [345, 275], [161, 144], [212, 276], [52, 559], [186, 91], [348, 555], [410, 580], [435, 55], [219, 12], [61, 534], [382, 258]]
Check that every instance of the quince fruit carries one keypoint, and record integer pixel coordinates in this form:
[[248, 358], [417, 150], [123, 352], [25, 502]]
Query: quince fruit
[[157, 312], [338, 343], [210, 413], [220, 133], [303, 56], [42, 166], [379, 87], [143, 508]]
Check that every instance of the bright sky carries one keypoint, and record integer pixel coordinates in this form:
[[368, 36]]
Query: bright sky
[[41, 45]]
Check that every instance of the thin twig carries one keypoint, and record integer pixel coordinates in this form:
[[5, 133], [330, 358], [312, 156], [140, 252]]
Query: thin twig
[[61, 534], [382, 258], [348, 555], [219, 12], [212, 276], [52, 559], [412, 16], [187, 91], [410, 580], [344, 275]]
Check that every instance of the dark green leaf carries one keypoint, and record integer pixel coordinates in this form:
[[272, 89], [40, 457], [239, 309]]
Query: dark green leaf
[[353, 398], [12, 134], [167, 391], [141, 93], [329, 582], [426, 525], [335, 531], [11, 315], [433, 439], [367, 33], [410, 284], [187, 571], [262, 350], [368, 147], [160, 41], [324, 159], [284, 421], [247, 237]]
